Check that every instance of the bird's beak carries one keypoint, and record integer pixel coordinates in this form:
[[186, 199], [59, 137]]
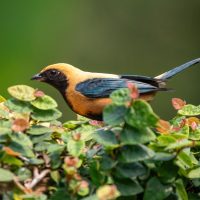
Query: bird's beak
[[38, 77]]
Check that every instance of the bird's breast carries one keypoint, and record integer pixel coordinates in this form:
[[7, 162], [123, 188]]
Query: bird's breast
[[91, 108]]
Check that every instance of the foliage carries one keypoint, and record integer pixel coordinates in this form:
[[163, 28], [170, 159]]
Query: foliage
[[131, 155]]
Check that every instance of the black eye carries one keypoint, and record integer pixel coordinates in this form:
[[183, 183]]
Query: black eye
[[54, 72]]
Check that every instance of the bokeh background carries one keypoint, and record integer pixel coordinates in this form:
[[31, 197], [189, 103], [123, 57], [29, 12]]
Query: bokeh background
[[123, 37]]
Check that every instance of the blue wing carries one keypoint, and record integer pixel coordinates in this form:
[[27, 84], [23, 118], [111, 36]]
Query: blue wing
[[103, 87]]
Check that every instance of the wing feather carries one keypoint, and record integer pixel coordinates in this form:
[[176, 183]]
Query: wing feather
[[103, 87]]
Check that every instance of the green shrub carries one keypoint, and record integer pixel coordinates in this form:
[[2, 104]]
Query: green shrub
[[131, 155]]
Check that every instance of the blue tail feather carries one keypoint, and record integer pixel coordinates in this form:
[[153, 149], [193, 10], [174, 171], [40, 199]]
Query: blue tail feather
[[169, 74]]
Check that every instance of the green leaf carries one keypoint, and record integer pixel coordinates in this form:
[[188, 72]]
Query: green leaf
[[36, 161], [59, 194], [179, 144], [195, 135], [55, 147], [106, 138], [165, 140], [23, 173], [130, 135], [55, 159], [107, 163], [4, 114], [10, 160], [41, 138], [167, 172], [22, 139], [194, 173], [66, 136], [75, 148], [91, 197], [155, 190], [82, 118], [194, 159], [33, 196], [41, 146], [141, 115], [95, 173], [55, 175], [38, 130], [128, 187], [130, 170], [73, 124], [114, 114], [23, 149], [183, 132], [184, 160], [22, 92], [6, 175], [4, 131], [5, 124], [190, 110], [4, 134], [44, 103], [18, 106], [46, 115], [179, 136], [180, 190], [121, 96], [176, 121], [162, 156], [135, 153], [86, 132]]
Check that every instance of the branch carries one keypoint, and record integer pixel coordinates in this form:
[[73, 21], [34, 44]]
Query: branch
[[37, 177], [20, 186]]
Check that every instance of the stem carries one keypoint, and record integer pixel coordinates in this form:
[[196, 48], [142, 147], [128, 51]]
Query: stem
[[20, 186], [37, 177]]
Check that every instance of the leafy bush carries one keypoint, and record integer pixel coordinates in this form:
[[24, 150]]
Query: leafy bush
[[131, 155]]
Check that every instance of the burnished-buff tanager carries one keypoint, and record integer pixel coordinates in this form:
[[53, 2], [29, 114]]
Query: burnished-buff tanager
[[88, 93]]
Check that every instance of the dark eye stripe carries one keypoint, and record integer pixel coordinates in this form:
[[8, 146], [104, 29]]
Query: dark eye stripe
[[55, 75], [54, 72]]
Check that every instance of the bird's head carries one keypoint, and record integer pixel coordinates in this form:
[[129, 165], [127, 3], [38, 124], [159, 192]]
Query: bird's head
[[56, 75]]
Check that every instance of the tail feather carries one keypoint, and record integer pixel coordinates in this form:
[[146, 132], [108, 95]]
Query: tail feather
[[169, 74]]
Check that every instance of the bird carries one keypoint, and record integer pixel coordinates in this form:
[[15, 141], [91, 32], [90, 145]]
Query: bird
[[87, 93]]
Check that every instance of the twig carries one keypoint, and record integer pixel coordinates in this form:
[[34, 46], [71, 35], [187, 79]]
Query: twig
[[20, 186], [46, 160], [24, 158], [104, 128], [37, 177]]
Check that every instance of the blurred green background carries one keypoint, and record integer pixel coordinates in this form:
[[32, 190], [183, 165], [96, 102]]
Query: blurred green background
[[123, 37]]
